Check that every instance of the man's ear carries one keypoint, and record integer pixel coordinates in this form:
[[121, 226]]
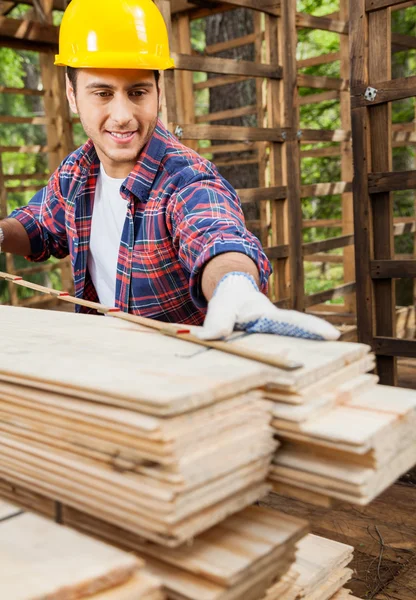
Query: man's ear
[[70, 94]]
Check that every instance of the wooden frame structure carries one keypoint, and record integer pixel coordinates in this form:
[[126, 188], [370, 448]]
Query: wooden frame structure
[[372, 91], [275, 146]]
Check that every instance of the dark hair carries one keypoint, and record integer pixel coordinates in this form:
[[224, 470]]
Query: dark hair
[[72, 76]]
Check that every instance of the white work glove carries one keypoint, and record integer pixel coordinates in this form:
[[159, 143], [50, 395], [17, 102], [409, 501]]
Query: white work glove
[[237, 303]]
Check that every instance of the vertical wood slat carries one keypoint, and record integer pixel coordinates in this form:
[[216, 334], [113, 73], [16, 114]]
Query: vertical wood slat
[[292, 152], [264, 209], [169, 113], [14, 301], [362, 209], [276, 209], [185, 78], [346, 162], [379, 57]]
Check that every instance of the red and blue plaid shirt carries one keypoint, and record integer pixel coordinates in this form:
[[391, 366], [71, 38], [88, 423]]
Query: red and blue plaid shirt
[[180, 214]]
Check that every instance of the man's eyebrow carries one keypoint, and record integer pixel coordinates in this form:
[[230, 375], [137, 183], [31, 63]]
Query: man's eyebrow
[[108, 86]]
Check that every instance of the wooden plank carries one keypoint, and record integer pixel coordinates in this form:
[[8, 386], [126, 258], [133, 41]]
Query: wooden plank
[[29, 31], [325, 189], [219, 81], [231, 113], [25, 149], [322, 223], [389, 346], [226, 66], [329, 244], [230, 44], [317, 98], [320, 82], [371, 5], [292, 154], [324, 23], [319, 152], [382, 203], [387, 90], [324, 258], [276, 252], [22, 91], [31, 120], [227, 133], [338, 292], [323, 59], [262, 194], [391, 181], [390, 269], [362, 207], [347, 171], [324, 135], [43, 559]]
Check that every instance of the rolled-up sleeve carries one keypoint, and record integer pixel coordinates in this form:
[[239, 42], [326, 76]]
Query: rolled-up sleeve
[[207, 220], [44, 221]]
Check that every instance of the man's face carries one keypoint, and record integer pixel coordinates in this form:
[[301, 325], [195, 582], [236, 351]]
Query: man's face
[[118, 111]]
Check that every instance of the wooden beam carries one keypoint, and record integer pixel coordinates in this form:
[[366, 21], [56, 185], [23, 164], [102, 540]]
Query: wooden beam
[[29, 31], [325, 189], [9, 119], [337, 292], [323, 135], [317, 98], [391, 181], [323, 59], [230, 113], [324, 258], [230, 44], [219, 81], [322, 83], [321, 223], [276, 252], [393, 269], [405, 42], [226, 66], [22, 91], [390, 346], [329, 244], [227, 133], [324, 23], [371, 5], [262, 194], [387, 91], [320, 152], [26, 149]]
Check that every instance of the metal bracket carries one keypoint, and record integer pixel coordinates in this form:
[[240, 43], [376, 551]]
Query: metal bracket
[[179, 132], [370, 94]]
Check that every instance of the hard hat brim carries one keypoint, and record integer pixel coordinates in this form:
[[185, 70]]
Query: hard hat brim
[[110, 60]]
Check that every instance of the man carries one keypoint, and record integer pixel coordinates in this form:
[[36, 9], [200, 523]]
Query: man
[[151, 227]]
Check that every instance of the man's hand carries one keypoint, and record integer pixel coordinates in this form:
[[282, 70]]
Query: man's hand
[[237, 303]]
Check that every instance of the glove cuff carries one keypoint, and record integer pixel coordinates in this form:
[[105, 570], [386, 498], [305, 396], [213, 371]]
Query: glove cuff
[[236, 276]]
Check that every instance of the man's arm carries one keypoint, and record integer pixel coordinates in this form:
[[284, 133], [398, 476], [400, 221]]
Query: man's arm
[[16, 239], [226, 263]]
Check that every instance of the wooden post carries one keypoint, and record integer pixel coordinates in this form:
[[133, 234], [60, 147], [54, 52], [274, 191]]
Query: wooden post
[[264, 208], [346, 162], [167, 78], [292, 152], [373, 214], [379, 55], [277, 208], [4, 211], [362, 209]]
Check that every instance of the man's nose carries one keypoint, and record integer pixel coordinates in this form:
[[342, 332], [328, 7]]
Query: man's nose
[[121, 110]]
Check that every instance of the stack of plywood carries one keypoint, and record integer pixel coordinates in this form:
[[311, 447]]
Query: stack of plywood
[[354, 451], [343, 435], [40, 559], [239, 558], [319, 572], [138, 429]]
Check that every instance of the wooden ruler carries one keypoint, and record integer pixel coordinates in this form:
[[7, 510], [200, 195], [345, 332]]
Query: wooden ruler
[[177, 331]]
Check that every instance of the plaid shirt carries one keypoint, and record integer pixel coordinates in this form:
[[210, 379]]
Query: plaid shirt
[[180, 214]]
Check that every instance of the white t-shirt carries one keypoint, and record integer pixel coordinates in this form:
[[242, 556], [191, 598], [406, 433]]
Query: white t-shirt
[[108, 217]]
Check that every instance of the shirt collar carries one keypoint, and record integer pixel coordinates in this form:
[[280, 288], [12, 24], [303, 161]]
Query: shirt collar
[[140, 180]]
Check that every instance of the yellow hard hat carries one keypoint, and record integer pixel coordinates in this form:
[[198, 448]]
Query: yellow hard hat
[[113, 34]]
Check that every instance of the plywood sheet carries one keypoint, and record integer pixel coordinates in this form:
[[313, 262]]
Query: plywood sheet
[[39, 559]]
